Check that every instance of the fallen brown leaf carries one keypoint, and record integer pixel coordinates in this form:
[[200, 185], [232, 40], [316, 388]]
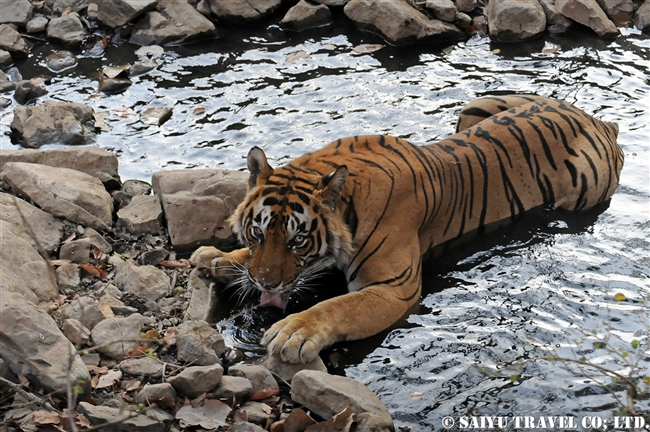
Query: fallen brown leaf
[[43, 417], [94, 271], [266, 393], [170, 336], [298, 421], [181, 263], [367, 48], [341, 422]]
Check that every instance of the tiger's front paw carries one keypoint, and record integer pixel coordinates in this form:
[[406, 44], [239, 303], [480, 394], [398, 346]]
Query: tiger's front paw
[[297, 338], [211, 259]]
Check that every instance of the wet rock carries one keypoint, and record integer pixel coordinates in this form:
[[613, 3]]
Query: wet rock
[[23, 270], [236, 388], [27, 91], [37, 24], [85, 310], [147, 282], [156, 115], [203, 300], [4, 103], [53, 122], [91, 160], [328, 395], [515, 20], [556, 23], [116, 337], [32, 344], [6, 84], [174, 21], [5, 61], [642, 17], [60, 6], [197, 203], [619, 11], [116, 13], [17, 12], [306, 15], [399, 22], [113, 85], [76, 332], [129, 421], [156, 392], [444, 10], [67, 277], [259, 376], [142, 67], [12, 42], [145, 367], [466, 5], [67, 29], [143, 215], [60, 60], [46, 229], [258, 412], [286, 371], [196, 380], [66, 193], [198, 343], [243, 11], [588, 13]]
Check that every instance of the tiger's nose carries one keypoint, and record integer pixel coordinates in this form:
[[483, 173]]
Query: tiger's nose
[[269, 286]]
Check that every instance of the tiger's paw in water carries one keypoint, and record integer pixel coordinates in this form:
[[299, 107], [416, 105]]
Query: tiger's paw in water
[[296, 339]]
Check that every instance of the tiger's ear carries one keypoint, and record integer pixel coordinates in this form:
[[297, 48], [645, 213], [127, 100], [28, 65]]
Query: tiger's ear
[[258, 166], [330, 186]]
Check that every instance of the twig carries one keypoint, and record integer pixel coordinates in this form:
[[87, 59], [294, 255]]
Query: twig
[[31, 397]]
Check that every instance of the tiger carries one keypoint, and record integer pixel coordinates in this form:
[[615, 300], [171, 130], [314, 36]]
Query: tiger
[[373, 205]]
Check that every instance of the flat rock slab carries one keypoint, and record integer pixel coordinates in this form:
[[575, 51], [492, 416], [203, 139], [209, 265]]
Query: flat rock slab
[[53, 122], [198, 343], [70, 194], [143, 215], [129, 422], [196, 380], [116, 13], [146, 281], [90, 160], [198, 202], [32, 344], [203, 300], [142, 367], [116, 337]]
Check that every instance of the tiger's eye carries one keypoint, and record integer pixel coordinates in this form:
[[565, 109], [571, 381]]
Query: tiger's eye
[[298, 241], [256, 233]]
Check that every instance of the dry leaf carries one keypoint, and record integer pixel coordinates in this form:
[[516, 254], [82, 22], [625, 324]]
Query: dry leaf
[[94, 270], [109, 379], [295, 56], [69, 239], [43, 417], [181, 263], [341, 422], [23, 380], [298, 420], [367, 48], [140, 351], [132, 385], [266, 393], [211, 415], [151, 334], [82, 421], [170, 336], [165, 402]]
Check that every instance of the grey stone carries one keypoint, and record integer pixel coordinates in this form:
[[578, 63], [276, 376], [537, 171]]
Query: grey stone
[[136, 187], [76, 332], [556, 23], [142, 367], [67, 277], [236, 388], [92, 11], [642, 17], [399, 22], [37, 24], [147, 282], [153, 257], [32, 345], [60, 60], [5, 372], [143, 215], [67, 29], [243, 11], [198, 343], [6, 85], [203, 300], [129, 422], [116, 337], [76, 5], [142, 67], [515, 20], [85, 310], [444, 10], [156, 392], [245, 427], [66, 193], [17, 12], [335, 3], [588, 13], [197, 204], [113, 85], [259, 376], [5, 61], [97, 241], [619, 11], [466, 5], [77, 251], [117, 307], [193, 381], [258, 412], [11, 41], [286, 371], [306, 15], [91, 359], [28, 90], [116, 13]]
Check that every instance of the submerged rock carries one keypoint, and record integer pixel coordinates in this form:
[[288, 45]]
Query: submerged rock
[[60, 60]]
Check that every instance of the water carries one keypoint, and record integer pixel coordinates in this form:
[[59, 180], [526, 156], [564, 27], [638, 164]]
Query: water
[[539, 288]]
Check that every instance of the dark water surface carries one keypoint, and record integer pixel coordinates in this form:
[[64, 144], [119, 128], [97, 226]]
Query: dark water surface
[[547, 282]]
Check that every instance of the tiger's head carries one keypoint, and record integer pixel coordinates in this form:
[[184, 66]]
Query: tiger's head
[[292, 226]]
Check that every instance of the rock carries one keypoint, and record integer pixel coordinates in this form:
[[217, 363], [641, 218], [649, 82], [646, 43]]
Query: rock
[[156, 392], [619, 11], [4, 103], [198, 343], [243, 11], [328, 395], [143, 215], [236, 388], [113, 85], [67, 29], [147, 282], [67, 277], [70, 194], [6, 85], [399, 22], [60, 60], [5, 372], [642, 17], [286, 371], [466, 5], [5, 61], [174, 22], [11, 41], [92, 11], [153, 257], [258, 412], [91, 359], [143, 367], [37, 24], [196, 380], [23, 270], [588, 13], [556, 23], [46, 229], [197, 204], [76, 332], [203, 300], [156, 115], [60, 6], [28, 90], [136, 187], [161, 416], [335, 3], [116, 306], [245, 427], [259, 376], [305, 15], [129, 421], [116, 337], [444, 10], [77, 251], [142, 66], [53, 122], [32, 344], [91, 160], [515, 20], [85, 310], [17, 12], [97, 241], [116, 13]]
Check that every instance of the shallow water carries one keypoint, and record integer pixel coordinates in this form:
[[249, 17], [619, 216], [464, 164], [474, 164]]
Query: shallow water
[[544, 284]]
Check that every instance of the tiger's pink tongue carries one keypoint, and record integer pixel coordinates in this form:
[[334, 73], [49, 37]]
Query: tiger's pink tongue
[[272, 299]]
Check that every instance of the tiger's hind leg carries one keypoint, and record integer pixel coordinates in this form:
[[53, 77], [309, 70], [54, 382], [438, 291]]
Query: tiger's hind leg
[[478, 110], [224, 266]]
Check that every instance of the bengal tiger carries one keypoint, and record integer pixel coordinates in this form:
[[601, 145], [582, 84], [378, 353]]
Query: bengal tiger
[[373, 205]]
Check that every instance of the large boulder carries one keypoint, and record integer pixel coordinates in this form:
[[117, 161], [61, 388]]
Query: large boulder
[[53, 122], [12, 42], [619, 11], [399, 22], [70, 194], [197, 204], [588, 13], [116, 13], [515, 20], [32, 345], [243, 11], [17, 12], [67, 29]]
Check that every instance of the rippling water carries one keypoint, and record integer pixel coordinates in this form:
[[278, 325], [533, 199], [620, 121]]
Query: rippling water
[[546, 283]]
